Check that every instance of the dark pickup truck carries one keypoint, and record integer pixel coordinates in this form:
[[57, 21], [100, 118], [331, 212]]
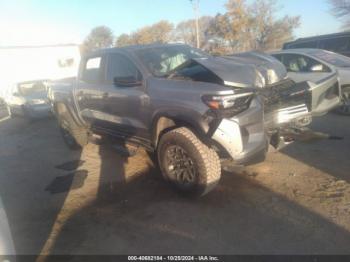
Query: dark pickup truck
[[187, 107]]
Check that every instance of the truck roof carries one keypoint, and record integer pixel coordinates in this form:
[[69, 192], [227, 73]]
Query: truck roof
[[129, 48]]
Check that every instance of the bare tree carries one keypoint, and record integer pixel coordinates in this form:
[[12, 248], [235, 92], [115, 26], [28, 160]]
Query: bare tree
[[185, 31], [341, 10], [99, 37], [123, 40], [266, 31], [231, 29], [160, 32], [244, 27]]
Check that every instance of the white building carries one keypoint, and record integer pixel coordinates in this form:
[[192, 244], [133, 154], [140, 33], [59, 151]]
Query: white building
[[26, 63]]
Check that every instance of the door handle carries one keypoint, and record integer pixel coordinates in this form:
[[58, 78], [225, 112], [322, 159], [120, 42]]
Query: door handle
[[105, 95]]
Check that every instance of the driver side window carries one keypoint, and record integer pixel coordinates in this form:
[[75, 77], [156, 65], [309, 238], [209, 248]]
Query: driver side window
[[122, 68]]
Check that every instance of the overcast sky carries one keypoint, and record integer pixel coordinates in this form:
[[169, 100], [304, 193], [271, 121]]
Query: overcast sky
[[38, 22]]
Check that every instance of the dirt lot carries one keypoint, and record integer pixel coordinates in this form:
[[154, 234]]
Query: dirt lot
[[100, 202]]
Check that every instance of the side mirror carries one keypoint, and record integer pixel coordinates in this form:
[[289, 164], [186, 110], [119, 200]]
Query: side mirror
[[126, 81], [317, 68]]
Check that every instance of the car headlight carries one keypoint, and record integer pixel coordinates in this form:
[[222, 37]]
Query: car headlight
[[229, 105]]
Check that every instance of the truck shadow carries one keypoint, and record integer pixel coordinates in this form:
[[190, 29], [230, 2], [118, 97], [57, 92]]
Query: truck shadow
[[142, 215], [109, 203], [329, 156], [28, 155]]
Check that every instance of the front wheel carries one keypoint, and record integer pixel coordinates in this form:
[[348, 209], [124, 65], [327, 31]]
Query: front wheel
[[188, 163]]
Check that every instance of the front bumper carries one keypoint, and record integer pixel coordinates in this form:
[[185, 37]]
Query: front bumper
[[275, 108], [244, 136]]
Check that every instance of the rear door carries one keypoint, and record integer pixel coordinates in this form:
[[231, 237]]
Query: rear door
[[87, 91]]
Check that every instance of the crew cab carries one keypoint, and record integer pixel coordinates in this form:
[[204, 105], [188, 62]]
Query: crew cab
[[186, 107]]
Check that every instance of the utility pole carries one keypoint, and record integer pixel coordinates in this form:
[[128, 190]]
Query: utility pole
[[195, 4]]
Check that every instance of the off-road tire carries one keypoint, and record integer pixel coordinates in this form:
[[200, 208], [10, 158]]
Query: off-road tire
[[79, 136], [205, 161]]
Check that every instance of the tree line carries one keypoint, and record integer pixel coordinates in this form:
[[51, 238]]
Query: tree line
[[243, 26]]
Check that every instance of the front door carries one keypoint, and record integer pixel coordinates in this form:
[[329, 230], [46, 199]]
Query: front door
[[124, 107]]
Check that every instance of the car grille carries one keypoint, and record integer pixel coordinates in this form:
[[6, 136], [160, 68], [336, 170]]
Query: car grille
[[286, 94]]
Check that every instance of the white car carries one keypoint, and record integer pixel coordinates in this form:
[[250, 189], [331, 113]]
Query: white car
[[29, 99], [316, 64]]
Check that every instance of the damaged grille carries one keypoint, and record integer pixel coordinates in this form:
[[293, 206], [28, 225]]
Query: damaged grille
[[285, 94]]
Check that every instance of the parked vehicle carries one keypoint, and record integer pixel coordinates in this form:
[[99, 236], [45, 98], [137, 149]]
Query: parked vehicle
[[338, 43], [315, 65], [188, 108], [36, 62], [29, 99]]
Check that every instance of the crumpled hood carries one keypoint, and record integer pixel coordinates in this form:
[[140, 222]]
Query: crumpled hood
[[233, 73], [250, 69], [272, 70]]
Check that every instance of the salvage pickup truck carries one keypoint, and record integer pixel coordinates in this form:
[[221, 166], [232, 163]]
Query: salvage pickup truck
[[186, 107]]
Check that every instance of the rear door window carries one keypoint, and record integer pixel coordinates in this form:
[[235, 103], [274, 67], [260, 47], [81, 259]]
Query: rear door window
[[91, 72]]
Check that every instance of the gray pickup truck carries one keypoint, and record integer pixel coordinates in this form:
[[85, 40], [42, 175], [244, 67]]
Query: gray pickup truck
[[186, 107]]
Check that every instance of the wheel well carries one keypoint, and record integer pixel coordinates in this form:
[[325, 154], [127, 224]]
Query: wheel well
[[60, 108], [166, 124]]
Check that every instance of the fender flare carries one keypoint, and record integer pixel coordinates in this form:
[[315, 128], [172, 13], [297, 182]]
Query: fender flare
[[166, 120]]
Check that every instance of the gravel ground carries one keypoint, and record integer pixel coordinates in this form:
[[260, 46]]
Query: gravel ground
[[99, 201]]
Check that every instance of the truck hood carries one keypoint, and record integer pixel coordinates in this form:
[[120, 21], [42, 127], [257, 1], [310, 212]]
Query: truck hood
[[272, 70], [251, 69], [232, 73]]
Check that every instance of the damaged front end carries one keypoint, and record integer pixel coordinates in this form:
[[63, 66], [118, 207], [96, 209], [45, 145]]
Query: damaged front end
[[262, 104]]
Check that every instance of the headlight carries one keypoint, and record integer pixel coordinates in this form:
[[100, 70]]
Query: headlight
[[229, 105]]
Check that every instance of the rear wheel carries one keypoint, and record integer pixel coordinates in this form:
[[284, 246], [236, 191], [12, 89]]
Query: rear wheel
[[73, 135], [188, 163]]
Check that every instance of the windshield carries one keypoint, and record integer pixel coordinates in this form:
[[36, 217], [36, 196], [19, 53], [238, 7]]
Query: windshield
[[160, 61], [332, 58]]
